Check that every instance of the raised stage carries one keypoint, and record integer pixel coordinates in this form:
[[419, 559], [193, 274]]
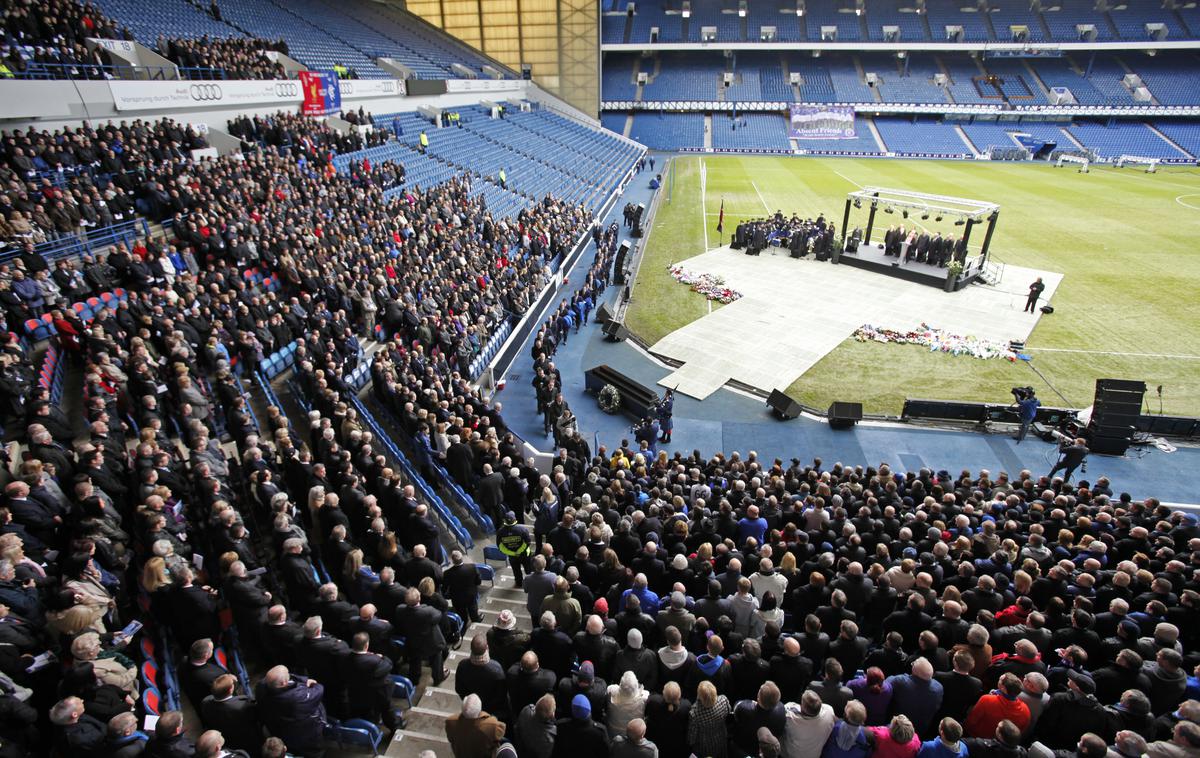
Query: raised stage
[[796, 310], [871, 257]]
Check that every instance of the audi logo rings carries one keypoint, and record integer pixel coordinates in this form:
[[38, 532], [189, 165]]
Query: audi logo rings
[[287, 89], [206, 92], [346, 87]]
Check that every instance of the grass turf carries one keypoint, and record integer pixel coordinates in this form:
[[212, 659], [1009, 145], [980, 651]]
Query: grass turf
[[1126, 242]]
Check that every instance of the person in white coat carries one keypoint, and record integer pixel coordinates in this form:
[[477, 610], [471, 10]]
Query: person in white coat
[[809, 725]]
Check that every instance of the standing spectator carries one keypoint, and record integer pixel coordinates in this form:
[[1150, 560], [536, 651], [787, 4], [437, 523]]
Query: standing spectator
[[291, 709], [473, 732], [849, 738], [896, 740], [809, 725]]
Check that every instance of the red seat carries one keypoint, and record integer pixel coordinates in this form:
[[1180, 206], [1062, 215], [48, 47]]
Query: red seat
[[151, 700], [150, 673], [94, 302]]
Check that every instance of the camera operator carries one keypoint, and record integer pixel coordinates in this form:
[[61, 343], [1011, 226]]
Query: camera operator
[[1027, 408], [1072, 453]]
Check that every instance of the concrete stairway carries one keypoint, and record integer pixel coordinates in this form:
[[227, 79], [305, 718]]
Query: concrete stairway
[[425, 721]]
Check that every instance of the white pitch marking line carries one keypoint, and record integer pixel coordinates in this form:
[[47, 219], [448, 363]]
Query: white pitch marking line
[[1188, 205], [766, 207], [1110, 352], [839, 173], [703, 201]]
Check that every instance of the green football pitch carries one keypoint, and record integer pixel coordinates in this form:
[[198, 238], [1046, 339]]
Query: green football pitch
[[1127, 242]]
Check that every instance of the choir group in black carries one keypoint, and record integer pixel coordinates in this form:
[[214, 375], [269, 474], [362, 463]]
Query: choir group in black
[[799, 236], [935, 250]]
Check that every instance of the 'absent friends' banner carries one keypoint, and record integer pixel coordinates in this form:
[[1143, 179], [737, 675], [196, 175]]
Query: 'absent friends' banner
[[821, 122]]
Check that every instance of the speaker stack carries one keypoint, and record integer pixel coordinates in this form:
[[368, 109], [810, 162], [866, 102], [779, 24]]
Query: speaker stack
[[1115, 413], [783, 406], [614, 331], [844, 415], [603, 314], [619, 267]]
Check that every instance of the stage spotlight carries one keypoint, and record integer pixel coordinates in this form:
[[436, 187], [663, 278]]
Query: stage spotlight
[[905, 214], [925, 216], [857, 203], [888, 210], [939, 218], [960, 222]]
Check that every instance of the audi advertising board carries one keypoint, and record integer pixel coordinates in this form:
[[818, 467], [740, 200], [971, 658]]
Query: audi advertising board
[[145, 96]]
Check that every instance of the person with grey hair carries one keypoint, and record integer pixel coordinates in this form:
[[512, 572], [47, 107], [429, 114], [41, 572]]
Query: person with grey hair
[[809, 724], [676, 615], [291, 709], [554, 648], [473, 732], [108, 670], [918, 696], [325, 657]]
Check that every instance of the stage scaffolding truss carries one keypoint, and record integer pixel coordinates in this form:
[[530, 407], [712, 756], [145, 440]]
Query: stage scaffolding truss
[[921, 206]]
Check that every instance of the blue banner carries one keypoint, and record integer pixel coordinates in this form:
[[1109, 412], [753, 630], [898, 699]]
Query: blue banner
[[322, 93]]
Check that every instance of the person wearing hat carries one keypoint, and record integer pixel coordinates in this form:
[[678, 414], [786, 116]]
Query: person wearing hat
[[505, 643], [1071, 714], [514, 541], [626, 702], [583, 682], [579, 736]]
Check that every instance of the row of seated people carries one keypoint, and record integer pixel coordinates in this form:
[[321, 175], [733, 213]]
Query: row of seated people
[[231, 58], [433, 261], [305, 135], [850, 611]]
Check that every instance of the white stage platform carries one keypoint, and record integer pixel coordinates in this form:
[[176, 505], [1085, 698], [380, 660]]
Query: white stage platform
[[795, 311]]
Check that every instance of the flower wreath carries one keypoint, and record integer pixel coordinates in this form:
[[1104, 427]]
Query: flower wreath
[[609, 399]]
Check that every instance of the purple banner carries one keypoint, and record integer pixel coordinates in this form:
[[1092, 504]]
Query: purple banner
[[821, 122]]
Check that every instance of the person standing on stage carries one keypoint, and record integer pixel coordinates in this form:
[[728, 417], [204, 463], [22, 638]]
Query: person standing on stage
[[666, 412], [1035, 291], [1027, 408], [1070, 459]]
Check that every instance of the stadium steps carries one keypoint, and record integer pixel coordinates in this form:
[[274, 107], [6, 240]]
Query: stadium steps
[[864, 29], [628, 33], [628, 125], [966, 140], [989, 26], [1071, 138], [743, 27], [928, 28], [883, 148], [1112, 25], [1168, 140], [1183, 24], [942, 68], [1129, 70], [862, 78], [424, 722], [708, 127], [1045, 26], [1037, 79]]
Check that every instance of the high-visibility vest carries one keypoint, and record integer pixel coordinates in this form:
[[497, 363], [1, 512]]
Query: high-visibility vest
[[503, 176], [424, 140]]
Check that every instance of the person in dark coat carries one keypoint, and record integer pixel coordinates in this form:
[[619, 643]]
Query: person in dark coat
[[420, 625], [667, 721], [291, 709], [481, 675], [462, 582], [580, 736], [76, 733], [199, 671], [235, 716], [281, 637], [324, 658], [169, 740], [751, 715], [460, 462], [489, 494], [123, 740], [369, 683], [528, 681]]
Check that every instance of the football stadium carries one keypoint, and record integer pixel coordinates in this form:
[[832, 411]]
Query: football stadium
[[554, 378]]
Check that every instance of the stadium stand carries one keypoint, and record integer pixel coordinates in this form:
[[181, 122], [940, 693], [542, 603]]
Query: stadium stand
[[668, 131], [750, 131], [1123, 138], [920, 137]]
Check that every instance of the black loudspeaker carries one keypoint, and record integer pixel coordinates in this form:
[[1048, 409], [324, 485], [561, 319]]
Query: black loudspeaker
[[637, 220], [1115, 413], [614, 331], [844, 415], [784, 406], [619, 266], [1047, 309], [603, 314]]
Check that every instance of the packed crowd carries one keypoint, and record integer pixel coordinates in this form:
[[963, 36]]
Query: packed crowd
[[230, 58], [91, 526], [72, 180], [54, 32], [734, 606], [304, 137]]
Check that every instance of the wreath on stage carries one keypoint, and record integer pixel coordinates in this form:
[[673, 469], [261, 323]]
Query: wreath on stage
[[609, 399]]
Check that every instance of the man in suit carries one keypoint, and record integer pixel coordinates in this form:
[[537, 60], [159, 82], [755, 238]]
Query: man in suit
[[337, 614], [421, 566], [369, 683], [481, 675], [379, 631], [324, 658], [388, 595], [489, 493], [246, 597], [199, 671], [194, 611], [462, 582], [299, 577], [1071, 457], [281, 637], [235, 716], [420, 625], [1035, 292], [422, 531], [290, 707], [460, 462]]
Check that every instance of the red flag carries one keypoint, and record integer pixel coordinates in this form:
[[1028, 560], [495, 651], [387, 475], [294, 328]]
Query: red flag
[[721, 218]]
